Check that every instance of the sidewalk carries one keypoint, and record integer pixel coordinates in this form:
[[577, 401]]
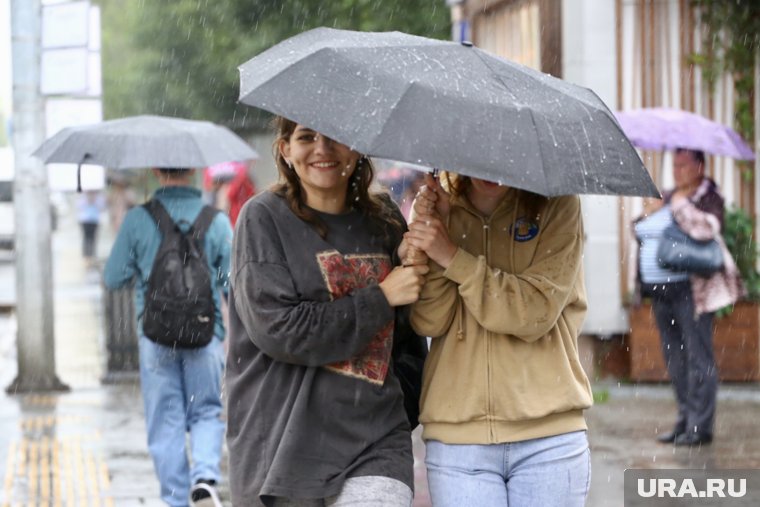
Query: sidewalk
[[87, 447]]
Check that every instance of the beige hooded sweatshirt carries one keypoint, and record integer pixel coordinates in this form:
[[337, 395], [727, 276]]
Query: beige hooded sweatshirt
[[504, 318]]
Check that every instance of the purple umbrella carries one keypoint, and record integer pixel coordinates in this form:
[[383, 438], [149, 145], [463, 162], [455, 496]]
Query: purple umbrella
[[661, 128]]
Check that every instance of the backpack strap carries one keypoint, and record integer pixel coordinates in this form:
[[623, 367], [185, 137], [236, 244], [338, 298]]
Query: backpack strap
[[164, 221], [203, 222]]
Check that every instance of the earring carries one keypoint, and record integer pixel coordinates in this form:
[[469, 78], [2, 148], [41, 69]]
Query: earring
[[289, 164]]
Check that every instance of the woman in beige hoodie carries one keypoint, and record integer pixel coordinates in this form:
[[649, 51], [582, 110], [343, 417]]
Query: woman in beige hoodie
[[503, 391]]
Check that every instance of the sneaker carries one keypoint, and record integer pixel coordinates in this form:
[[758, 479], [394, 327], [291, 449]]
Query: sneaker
[[204, 494]]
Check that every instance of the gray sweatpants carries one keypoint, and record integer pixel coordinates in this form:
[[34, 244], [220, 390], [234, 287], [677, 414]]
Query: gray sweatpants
[[369, 491]]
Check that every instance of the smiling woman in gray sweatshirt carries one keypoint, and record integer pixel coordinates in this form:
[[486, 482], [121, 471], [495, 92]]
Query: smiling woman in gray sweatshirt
[[315, 411]]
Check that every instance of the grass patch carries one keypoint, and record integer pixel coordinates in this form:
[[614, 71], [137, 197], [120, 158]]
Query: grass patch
[[601, 396]]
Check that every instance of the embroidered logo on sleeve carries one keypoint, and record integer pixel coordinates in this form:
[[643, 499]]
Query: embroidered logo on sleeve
[[342, 274]]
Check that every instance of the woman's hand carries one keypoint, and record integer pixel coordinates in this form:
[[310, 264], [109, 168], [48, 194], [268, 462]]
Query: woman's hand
[[402, 285], [428, 234], [431, 198], [411, 256]]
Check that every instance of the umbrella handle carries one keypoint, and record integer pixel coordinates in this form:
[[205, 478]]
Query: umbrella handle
[[79, 172]]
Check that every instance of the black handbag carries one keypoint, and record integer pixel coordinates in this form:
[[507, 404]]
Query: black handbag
[[678, 251], [409, 353]]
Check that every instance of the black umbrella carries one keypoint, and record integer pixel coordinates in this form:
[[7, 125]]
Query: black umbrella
[[448, 105]]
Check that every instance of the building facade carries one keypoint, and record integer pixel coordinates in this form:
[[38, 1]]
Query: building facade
[[633, 54]]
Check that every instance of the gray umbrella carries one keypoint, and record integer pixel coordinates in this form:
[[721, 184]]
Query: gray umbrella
[[448, 105], [146, 141]]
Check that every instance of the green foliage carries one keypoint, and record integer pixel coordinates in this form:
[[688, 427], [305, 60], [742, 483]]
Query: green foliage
[[180, 57], [739, 234], [731, 40]]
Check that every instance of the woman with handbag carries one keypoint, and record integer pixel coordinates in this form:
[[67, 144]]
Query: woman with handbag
[[316, 413], [504, 391], [684, 301]]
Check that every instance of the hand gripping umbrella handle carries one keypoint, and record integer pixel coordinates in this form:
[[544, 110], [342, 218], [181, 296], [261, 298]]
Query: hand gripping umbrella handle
[[412, 252]]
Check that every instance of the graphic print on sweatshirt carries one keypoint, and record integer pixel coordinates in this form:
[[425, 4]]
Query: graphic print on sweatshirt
[[342, 274]]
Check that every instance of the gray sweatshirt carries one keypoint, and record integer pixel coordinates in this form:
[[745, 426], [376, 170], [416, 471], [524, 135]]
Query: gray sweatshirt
[[312, 397]]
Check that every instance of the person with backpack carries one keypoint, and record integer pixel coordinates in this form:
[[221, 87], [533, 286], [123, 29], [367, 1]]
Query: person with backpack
[[177, 251]]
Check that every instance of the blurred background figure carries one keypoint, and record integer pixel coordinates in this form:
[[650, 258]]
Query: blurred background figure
[[685, 303], [90, 205], [121, 198], [413, 185], [227, 186], [401, 181], [240, 189], [216, 180]]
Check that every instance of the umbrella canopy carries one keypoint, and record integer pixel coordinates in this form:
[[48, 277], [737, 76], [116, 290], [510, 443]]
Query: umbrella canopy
[[447, 105], [146, 141], [661, 128]]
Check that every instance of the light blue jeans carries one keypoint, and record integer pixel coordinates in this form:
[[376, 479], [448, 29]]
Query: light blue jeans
[[181, 390], [543, 472]]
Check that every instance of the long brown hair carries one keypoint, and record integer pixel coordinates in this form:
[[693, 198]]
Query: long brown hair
[[358, 196]]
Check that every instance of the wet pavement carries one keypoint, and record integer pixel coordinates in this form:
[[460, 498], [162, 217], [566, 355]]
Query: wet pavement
[[87, 447], [622, 434]]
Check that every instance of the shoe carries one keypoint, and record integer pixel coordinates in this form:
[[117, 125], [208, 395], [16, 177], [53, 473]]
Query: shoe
[[669, 437], [204, 494], [692, 439]]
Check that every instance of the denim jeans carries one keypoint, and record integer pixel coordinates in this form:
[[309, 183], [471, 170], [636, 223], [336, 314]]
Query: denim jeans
[[181, 390], [544, 472]]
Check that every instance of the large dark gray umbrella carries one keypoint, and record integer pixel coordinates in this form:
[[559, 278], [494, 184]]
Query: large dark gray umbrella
[[447, 105], [146, 141]]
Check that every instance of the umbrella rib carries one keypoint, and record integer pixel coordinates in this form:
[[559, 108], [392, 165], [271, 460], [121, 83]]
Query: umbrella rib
[[532, 117], [547, 83], [298, 60], [64, 145], [492, 71], [198, 149], [540, 150], [401, 96]]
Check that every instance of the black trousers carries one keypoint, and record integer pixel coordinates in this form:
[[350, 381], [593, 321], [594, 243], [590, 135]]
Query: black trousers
[[687, 347]]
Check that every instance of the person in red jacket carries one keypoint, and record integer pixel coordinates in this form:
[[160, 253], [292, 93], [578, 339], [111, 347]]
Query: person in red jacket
[[241, 189]]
